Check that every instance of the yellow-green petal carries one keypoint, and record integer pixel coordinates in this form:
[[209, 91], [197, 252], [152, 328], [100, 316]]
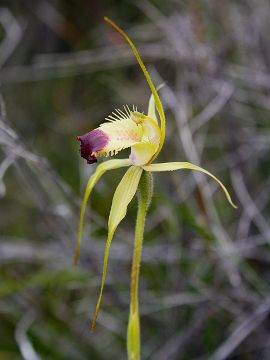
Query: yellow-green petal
[[158, 103], [100, 170], [152, 106], [141, 153], [122, 197], [171, 166]]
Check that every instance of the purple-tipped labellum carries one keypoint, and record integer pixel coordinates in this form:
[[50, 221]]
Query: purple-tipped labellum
[[91, 143]]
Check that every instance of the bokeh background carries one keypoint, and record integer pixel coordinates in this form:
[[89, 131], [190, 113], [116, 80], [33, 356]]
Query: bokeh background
[[204, 287]]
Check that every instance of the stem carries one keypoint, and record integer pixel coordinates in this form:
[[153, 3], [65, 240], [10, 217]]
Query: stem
[[144, 199]]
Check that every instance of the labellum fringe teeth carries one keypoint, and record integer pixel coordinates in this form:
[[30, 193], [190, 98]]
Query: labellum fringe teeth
[[120, 114]]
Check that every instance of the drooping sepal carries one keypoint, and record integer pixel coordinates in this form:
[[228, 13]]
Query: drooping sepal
[[172, 166], [100, 170], [123, 195]]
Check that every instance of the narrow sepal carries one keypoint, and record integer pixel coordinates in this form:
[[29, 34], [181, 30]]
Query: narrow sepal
[[158, 103], [152, 106], [122, 197], [100, 170], [171, 166]]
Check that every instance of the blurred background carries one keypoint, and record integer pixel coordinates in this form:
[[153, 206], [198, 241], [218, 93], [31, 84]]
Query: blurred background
[[204, 287]]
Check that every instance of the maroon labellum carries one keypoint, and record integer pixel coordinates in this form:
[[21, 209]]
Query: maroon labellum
[[91, 143]]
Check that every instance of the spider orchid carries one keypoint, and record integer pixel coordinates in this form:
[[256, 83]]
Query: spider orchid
[[144, 135]]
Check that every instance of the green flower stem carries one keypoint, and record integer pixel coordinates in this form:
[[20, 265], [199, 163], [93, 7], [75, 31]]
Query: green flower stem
[[144, 199]]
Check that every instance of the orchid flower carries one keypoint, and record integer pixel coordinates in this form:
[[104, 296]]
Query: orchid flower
[[144, 135]]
